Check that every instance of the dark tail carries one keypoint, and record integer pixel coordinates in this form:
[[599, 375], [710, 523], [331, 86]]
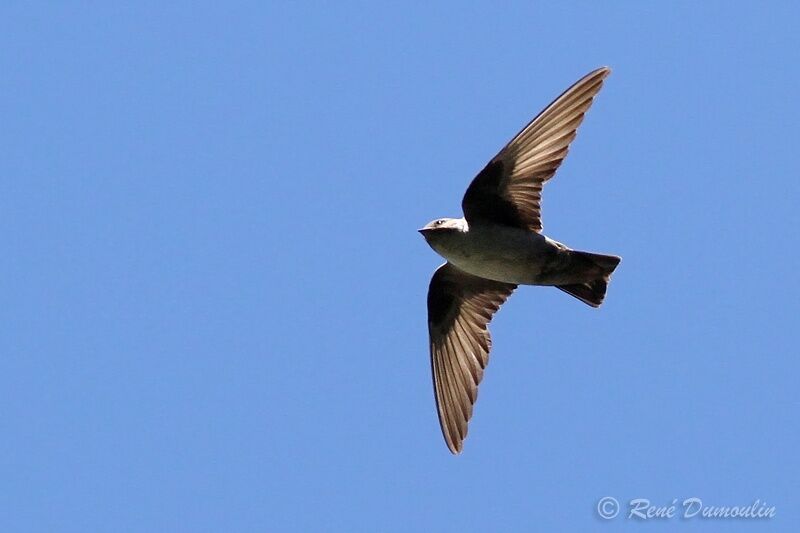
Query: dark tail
[[592, 292]]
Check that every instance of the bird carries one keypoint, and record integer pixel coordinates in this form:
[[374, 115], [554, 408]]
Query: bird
[[498, 245]]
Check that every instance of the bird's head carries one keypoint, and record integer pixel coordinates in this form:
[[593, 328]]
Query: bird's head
[[442, 226]]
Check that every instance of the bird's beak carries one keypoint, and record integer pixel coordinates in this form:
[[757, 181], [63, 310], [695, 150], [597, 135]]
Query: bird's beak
[[424, 230]]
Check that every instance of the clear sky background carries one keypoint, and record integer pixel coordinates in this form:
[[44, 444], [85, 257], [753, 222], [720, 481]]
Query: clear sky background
[[214, 293]]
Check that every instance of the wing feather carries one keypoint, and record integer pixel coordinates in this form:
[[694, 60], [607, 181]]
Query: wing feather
[[508, 190], [460, 307]]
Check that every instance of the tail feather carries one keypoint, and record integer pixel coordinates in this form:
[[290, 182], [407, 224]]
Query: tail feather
[[593, 292]]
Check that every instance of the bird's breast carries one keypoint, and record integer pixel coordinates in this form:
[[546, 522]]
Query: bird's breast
[[499, 253]]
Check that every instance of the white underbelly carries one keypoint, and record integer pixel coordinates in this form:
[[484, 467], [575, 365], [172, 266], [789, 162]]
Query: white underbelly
[[496, 270], [500, 253]]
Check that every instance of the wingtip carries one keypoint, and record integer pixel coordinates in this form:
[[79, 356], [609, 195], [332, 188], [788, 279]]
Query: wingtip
[[455, 445], [605, 70]]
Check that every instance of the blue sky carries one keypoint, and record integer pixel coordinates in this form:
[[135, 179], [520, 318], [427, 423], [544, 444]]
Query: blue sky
[[214, 291]]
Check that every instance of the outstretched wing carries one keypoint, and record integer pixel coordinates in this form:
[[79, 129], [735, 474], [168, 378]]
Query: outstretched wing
[[460, 307], [509, 189]]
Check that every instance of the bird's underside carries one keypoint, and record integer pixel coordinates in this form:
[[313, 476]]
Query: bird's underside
[[499, 245], [513, 255]]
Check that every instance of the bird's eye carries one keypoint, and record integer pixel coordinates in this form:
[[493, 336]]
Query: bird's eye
[[439, 222]]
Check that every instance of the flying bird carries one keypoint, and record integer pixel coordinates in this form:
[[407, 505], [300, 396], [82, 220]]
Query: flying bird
[[497, 245]]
